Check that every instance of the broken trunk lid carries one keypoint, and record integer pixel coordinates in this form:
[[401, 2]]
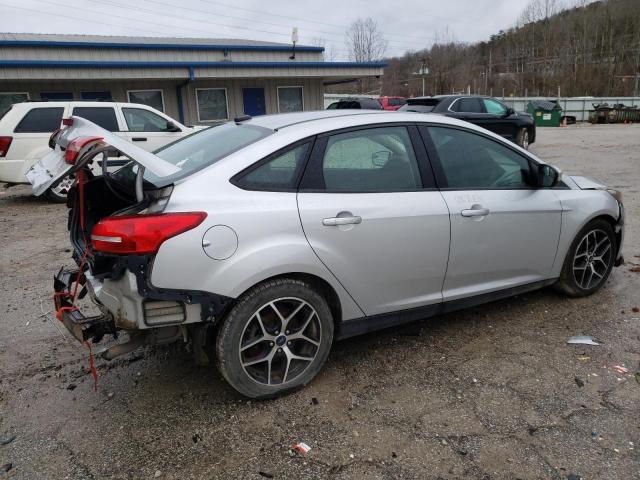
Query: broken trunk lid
[[52, 168]]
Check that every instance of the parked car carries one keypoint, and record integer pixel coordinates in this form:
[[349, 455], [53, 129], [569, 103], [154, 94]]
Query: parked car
[[287, 232], [356, 104], [26, 127], [486, 112], [392, 103]]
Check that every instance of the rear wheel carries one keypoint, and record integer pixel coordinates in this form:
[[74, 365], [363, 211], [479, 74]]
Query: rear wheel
[[275, 339], [589, 261], [522, 138], [58, 194]]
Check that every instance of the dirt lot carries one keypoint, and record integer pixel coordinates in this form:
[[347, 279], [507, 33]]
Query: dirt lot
[[488, 393]]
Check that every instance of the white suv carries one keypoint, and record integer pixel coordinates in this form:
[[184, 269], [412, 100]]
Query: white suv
[[26, 127]]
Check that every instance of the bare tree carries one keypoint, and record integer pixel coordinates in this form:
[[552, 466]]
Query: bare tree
[[365, 41], [329, 53]]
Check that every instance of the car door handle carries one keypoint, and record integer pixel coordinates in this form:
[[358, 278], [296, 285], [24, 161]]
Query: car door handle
[[335, 221], [475, 212], [139, 139]]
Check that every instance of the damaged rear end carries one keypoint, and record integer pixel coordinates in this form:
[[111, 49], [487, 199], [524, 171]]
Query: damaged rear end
[[117, 224]]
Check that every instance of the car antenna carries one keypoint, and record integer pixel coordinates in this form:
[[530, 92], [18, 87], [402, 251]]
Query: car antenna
[[241, 119]]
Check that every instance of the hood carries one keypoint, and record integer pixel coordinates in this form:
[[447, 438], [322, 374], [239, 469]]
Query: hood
[[588, 183], [52, 168]]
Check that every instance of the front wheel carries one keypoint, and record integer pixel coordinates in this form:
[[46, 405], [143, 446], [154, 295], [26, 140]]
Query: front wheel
[[589, 260], [522, 138], [275, 339]]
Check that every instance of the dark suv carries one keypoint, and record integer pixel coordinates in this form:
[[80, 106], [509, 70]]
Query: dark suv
[[356, 103], [486, 112]]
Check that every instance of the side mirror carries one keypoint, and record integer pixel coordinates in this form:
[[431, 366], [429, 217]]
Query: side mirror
[[547, 176], [510, 111], [380, 159], [172, 127]]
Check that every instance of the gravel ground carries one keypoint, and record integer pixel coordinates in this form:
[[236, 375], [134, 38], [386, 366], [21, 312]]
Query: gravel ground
[[492, 392]]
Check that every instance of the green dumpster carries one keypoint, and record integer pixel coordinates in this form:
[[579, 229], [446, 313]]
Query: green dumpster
[[547, 113]]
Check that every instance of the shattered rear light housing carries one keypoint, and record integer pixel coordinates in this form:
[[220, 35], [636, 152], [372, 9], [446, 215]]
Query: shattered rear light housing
[[75, 146], [141, 234]]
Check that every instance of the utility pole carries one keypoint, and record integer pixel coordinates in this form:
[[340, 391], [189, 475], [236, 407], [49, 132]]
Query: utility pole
[[423, 72]]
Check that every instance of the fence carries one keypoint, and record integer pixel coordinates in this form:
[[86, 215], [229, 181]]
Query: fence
[[573, 106]]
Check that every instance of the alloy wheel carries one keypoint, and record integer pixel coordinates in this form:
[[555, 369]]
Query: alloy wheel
[[525, 140], [280, 340], [63, 187], [592, 259]]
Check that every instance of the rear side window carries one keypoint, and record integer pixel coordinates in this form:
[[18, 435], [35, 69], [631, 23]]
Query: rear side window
[[139, 120], [371, 104], [467, 105], [41, 120], [372, 160], [104, 117], [280, 172]]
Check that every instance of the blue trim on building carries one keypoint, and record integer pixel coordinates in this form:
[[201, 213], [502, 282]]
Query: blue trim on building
[[155, 46], [119, 64]]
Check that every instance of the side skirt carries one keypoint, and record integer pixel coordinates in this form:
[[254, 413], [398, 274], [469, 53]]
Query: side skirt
[[360, 326]]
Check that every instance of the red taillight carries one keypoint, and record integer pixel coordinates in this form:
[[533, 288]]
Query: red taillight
[[75, 146], [5, 143], [67, 122], [141, 234]]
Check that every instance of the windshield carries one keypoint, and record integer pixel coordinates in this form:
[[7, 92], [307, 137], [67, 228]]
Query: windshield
[[204, 148]]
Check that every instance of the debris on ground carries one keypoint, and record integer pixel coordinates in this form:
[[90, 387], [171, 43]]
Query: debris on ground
[[71, 386], [6, 467], [302, 448], [637, 375], [265, 474], [7, 440], [635, 269], [620, 369], [579, 382], [583, 358], [314, 401], [157, 474], [582, 340], [573, 476], [196, 438], [635, 309]]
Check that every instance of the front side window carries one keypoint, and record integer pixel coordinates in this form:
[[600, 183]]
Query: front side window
[[494, 107], [151, 98], [470, 161], [467, 105], [372, 160], [278, 173], [104, 117], [212, 104], [139, 120], [8, 99], [40, 120], [290, 99], [394, 102]]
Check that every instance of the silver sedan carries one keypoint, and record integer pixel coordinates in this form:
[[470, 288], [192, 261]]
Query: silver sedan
[[264, 240]]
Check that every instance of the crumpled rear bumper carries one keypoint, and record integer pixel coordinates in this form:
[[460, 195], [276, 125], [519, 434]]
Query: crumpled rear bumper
[[83, 328]]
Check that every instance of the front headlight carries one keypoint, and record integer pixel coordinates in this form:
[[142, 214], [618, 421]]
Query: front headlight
[[617, 194]]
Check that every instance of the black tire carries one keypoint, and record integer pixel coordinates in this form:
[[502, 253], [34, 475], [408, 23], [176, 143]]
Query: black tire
[[571, 281], [522, 138], [271, 378]]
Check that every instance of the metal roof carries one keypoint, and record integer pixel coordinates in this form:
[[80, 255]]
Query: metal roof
[[128, 42]]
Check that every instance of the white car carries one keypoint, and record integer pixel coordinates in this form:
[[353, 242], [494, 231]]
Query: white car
[[25, 130]]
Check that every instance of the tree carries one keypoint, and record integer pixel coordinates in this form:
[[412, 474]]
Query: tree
[[365, 41]]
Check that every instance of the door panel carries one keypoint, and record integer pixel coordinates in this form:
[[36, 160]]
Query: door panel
[[395, 258], [504, 229], [253, 101], [513, 244], [367, 217]]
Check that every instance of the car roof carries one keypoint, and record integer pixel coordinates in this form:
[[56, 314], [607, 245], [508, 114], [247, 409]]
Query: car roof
[[326, 120], [84, 103]]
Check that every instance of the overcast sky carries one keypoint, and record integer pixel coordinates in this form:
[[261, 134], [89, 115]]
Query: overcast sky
[[407, 24]]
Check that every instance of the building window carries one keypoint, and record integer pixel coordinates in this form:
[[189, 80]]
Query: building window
[[96, 96], [152, 98], [290, 99], [56, 96], [9, 98], [212, 104]]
